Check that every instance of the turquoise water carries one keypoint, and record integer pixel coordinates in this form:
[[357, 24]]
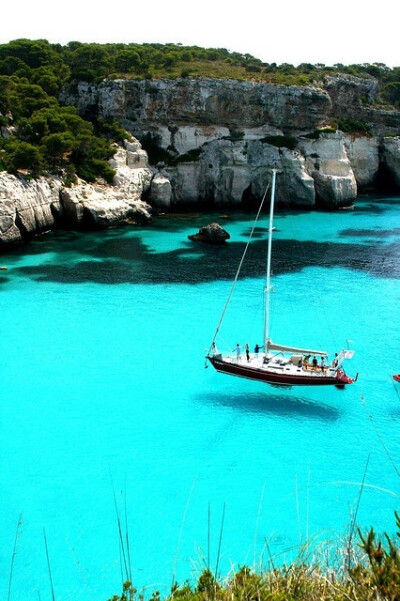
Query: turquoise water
[[106, 405]]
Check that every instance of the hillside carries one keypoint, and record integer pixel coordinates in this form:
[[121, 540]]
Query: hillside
[[41, 135]]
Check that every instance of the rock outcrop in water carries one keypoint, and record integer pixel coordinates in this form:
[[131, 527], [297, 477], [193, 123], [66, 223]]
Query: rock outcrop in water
[[215, 141], [212, 233]]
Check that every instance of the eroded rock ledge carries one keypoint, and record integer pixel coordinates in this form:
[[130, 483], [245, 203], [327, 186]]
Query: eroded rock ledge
[[30, 207]]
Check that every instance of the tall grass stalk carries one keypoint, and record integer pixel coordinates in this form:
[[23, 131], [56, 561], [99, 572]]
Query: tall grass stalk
[[353, 522], [48, 565], [260, 505], [13, 556], [178, 545], [128, 548], [123, 541], [208, 536], [220, 541]]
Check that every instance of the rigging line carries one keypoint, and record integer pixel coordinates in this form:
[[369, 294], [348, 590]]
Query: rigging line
[[238, 270], [349, 542]]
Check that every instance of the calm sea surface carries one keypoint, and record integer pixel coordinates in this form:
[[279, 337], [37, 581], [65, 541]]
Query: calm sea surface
[[106, 408]]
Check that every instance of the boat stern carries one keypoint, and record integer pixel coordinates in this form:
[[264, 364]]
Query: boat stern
[[343, 379]]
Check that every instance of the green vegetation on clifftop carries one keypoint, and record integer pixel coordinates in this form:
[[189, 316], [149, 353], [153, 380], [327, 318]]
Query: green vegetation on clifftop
[[41, 136]]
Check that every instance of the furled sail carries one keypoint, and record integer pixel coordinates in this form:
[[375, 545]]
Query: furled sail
[[271, 346]]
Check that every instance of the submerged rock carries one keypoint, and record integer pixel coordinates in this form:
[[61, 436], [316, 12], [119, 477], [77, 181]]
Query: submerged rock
[[212, 233]]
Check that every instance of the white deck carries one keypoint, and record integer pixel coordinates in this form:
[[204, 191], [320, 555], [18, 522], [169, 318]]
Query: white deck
[[279, 365]]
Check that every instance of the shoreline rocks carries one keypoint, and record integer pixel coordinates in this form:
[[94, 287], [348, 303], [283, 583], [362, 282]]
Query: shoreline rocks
[[30, 207]]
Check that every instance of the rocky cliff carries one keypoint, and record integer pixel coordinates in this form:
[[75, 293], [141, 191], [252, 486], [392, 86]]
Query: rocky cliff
[[215, 141], [30, 207]]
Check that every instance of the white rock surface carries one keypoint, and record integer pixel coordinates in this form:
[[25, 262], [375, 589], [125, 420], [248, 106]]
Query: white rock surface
[[104, 205], [391, 154], [160, 191], [27, 207], [328, 164], [363, 153]]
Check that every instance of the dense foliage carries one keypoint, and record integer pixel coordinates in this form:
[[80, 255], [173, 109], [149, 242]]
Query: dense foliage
[[41, 134], [46, 136], [372, 575]]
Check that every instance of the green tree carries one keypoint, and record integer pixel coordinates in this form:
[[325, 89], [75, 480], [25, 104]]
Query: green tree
[[391, 92], [127, 60], [89, 62], [56, 145], [23, 155]]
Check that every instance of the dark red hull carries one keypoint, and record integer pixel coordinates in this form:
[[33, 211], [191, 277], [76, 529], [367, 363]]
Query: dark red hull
[[280, 379], [397, 377]]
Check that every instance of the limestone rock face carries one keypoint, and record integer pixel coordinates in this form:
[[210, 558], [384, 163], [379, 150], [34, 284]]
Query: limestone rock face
[[211, 234], [203, 102], [364, 157], [391, 157], [353, 97], [331, 187], [27, 207], [328, 164], [94, 206], [347, 91], [160, 191], [100, 205], [219, 137], [297, 185]]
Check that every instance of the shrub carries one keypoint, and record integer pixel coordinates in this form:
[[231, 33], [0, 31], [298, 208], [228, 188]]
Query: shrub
[[253, 68], [391, 92], [351, 125], [236, 134], [22, 155], [58, 144]]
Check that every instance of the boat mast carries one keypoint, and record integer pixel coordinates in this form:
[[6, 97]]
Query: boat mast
[[268, 286]]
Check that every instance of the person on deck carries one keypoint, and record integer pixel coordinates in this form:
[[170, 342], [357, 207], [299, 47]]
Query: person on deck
[[323, 364], [247, 352], [238, 351], [315, 363]]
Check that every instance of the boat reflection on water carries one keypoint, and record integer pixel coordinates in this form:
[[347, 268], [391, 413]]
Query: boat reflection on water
[[283, 405]]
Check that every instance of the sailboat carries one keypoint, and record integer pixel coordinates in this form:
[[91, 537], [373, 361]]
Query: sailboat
[[273, 363]]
